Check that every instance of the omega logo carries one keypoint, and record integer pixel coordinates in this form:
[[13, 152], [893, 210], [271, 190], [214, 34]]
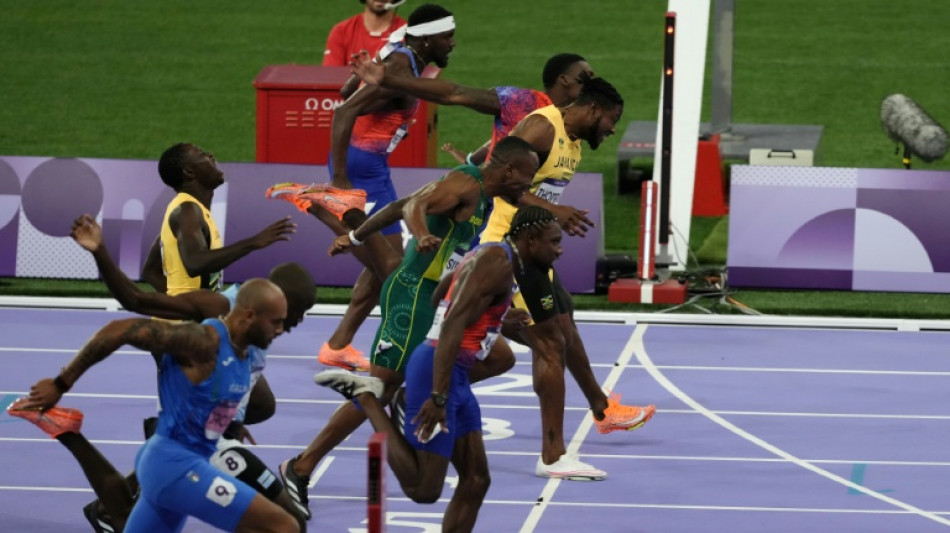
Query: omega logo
[[322, 104]]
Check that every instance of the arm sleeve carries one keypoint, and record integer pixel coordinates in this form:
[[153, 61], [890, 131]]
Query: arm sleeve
[[334, 53], [517, 103]]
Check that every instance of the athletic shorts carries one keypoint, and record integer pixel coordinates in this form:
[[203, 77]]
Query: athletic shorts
[[407, 313], [462, 413], [541, 294], [177, 483], [370, 171]]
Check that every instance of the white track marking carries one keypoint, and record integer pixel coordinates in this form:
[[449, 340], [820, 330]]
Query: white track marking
[[765, 369], [548, 492], [322, 469], [644, 358], [337, 497], [534, 454], [534, 407]]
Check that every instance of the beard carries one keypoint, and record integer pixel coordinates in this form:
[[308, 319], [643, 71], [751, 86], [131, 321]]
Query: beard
[[378, 11], [593, 139], [257, 337]]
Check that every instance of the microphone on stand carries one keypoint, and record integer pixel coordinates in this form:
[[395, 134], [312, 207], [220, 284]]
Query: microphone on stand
[[907, 123]]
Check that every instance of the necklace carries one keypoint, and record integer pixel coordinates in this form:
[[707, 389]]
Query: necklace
[[417, 55], [514, 249]]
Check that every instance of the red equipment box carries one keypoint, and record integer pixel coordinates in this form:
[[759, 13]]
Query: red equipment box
[[295, 106]]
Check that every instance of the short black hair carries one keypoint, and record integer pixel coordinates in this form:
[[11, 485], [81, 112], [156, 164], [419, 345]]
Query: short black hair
[[530, 218], [557, 65], [172, 164], [511, 148], [291, 277], [296, 283], [600, 91], [428, 13]]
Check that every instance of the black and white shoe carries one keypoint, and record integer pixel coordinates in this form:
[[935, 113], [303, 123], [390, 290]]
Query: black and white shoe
[[348, 384], [296, 486], [397, 410], [100, 523]]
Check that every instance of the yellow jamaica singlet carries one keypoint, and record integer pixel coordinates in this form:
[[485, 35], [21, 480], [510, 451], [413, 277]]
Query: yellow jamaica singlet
[[550, 180], [177, 279]]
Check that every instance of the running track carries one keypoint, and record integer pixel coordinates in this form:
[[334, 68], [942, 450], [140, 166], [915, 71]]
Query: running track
[[758, 429]]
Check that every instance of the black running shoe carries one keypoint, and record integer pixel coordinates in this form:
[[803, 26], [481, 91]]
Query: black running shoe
[[397, 410], [296, 486], [348, 384], [149, 425], [100, 523]]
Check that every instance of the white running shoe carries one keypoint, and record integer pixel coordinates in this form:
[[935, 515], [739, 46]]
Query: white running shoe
[[569, 467], [348, 384]]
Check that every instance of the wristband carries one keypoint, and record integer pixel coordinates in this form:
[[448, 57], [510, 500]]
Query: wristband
[[353, 240], [60, 384], [468, 159]]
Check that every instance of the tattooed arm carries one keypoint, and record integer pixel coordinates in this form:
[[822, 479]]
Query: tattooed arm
[[191, 344]]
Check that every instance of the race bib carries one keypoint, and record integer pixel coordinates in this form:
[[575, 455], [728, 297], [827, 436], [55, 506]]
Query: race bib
[[218, 420], [453, 263], [397, 137], [551, 190], [437, 321], [491, 335]]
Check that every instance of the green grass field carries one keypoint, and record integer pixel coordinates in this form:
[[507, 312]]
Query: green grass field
[[118, 79]]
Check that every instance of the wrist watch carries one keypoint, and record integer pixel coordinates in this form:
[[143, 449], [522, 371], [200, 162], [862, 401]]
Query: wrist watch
[[439, 399]]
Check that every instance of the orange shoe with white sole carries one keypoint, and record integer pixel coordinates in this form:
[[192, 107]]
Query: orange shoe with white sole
[[618, 417], [54, 421]]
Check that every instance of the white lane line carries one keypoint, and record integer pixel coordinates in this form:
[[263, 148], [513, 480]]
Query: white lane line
[[534, 407], [639, 457], [62, 350], [551, 486], [45, 489], [778, 369], [339, 497], [14, 349], [322, 468], [803, 370], [595, 505], [647, 363], [699, 368]]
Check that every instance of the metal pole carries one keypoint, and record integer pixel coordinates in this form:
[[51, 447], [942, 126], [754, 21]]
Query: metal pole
[[723, 35], [666, 147]]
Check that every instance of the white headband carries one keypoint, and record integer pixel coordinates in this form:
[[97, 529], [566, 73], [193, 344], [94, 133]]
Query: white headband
[[398, 35], [432, 28]]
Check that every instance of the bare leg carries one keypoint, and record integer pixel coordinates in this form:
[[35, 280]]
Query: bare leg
[[471, 463], [547, 349], [345, 420], [380, 255], [342, 423], [364, 298], [108, 484], [262, 405], [579, 365], [421, 474], [330, 220]]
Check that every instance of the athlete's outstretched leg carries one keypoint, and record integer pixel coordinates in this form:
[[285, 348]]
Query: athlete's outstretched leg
[[110, 486]]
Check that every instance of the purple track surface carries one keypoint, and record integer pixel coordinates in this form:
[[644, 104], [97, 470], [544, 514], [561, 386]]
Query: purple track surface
[[757, 429]]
